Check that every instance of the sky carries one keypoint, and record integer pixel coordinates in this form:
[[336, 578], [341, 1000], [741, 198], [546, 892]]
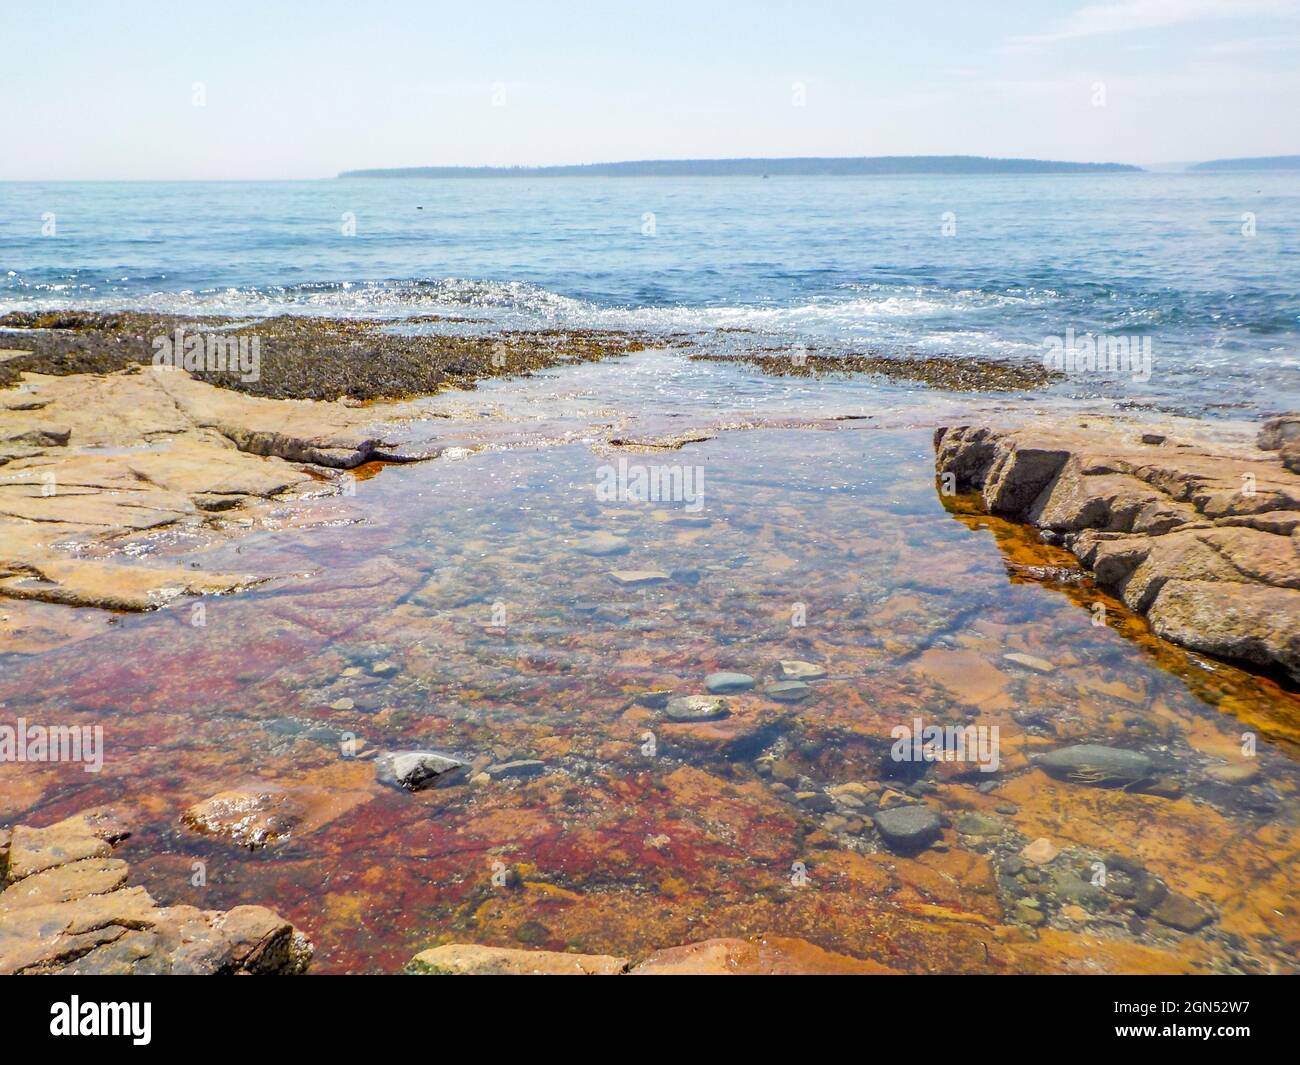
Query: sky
[[144, 90]]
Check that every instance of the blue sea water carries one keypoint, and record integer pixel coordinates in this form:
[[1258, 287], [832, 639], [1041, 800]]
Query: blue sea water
[[1205, 266]]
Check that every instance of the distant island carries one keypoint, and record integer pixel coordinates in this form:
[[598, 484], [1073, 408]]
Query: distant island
[[1264, 162], [808, 166]]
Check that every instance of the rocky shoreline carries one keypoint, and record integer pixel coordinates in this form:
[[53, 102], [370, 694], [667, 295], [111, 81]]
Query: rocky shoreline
[[65, 908], [1202, 540], [91, 461]]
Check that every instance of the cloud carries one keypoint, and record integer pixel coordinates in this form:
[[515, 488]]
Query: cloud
[[1127, 16]]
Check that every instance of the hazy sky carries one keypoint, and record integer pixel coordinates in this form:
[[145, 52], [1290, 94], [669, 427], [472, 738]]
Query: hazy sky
[[302, 90]]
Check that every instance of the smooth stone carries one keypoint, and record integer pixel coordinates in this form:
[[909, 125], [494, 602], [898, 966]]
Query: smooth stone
[[728, 683], [1088, 763], [636, 578], [973, 824], [1029, 915], [1178, 911], [788, 691], [1038, 665], [1069, 887], [695, 708], [906, 829], [1240, 773], [1040, 852], [520, 769], [383, 669], [602, 544], [794, 669], [342, 704], [414, 770]]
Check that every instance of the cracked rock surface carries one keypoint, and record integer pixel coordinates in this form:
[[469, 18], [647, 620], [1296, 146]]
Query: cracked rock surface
[[1202, 539], [65, 907]]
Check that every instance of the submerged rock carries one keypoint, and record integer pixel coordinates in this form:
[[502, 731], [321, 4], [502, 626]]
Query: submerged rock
[[602, 544], [794, 669], [1178, 911], [258, 814], [1040, 851], [638, 578], [977, 824], [521, 769], [1038, 665], [696, 708], [728, 683], [1089, 763], [788, 691], [415, 770], [906, 829]]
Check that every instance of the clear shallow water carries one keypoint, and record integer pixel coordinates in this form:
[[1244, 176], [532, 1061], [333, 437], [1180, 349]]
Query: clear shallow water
[[841, 264], [451, 602]]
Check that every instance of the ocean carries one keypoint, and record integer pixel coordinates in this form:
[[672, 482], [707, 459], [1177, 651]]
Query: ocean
[[1201, 272]]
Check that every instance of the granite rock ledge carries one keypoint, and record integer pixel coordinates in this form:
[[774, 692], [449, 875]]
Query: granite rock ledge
[[1202, 539]]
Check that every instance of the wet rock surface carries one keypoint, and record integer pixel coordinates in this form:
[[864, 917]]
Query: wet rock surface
[[414, 770], [1196, 538], [65, 908]]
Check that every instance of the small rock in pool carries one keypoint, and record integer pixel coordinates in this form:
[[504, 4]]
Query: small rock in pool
[[1088, 763], [977, 824], [1178, 911], [383, 669], [696, 708], [794, 669], [788, 691], [415, 770], [521, 769], [1040, 852], [728, 683], [637, 578], [1236, 773], [342, 704], [602, 544], [906, 829], [1038, 665]]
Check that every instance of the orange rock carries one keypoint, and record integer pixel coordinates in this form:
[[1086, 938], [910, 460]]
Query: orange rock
[[760, 956]]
